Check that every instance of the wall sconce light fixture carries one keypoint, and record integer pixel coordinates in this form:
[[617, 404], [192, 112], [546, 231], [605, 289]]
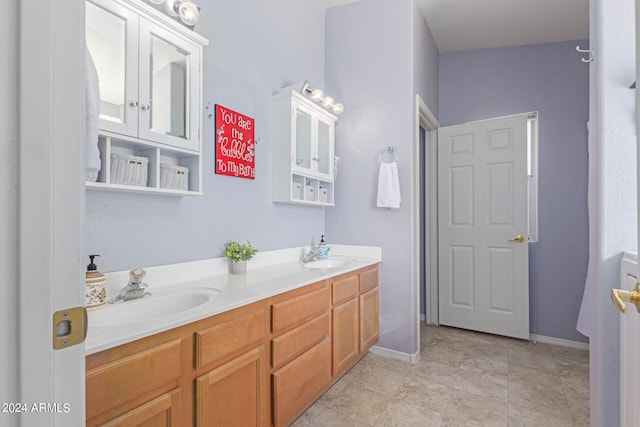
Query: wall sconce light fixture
[[187, 11], [318, 96]]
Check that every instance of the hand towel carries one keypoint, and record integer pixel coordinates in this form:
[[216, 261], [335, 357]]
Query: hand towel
[[92, 116], [388, 186]]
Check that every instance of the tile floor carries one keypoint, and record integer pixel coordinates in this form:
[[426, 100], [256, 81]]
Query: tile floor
[[463, 378]]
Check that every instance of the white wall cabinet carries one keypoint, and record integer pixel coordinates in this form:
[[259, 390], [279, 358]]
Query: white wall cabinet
[[149, 69], [303, 156]]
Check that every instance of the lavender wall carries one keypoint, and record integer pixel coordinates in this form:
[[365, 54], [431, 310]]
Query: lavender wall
[[370, 65], [255, 48], [548, 78]]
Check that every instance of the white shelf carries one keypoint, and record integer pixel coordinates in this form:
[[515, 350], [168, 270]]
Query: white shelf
[[157, 154]]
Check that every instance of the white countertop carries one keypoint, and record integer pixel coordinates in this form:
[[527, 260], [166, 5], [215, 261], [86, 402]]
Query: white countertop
[[269, 273]]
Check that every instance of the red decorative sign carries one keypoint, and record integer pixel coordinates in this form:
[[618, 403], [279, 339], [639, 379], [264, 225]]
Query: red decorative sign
[[235, 143]]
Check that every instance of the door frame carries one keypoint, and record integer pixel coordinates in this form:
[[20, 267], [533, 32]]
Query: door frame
[[425, 119]]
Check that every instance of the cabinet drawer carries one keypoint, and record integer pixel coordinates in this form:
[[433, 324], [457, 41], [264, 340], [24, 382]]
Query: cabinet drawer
[[369, 278], [154, 369], [230, 337], [296, 341], [299, 382], [291, 312], [344, 289]]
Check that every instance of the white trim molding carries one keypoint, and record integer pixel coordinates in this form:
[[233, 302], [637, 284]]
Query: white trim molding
[[393, 354], [559, 341]]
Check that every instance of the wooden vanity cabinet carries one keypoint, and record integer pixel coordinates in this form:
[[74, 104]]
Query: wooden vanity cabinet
[[213, 372], [140, 383], [300, 350], [258, 365], [231, 367]]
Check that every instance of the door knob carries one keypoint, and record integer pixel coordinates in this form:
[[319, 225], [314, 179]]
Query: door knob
[[618, 296], [518, 239]]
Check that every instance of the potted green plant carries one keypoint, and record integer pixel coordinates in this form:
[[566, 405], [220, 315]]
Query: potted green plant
[[239, 254]]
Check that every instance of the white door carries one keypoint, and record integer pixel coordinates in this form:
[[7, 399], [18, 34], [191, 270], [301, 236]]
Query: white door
[[482, 222], [50, 180]]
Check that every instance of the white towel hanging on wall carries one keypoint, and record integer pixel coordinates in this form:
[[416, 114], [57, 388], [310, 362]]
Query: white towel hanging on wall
[[389, 186]]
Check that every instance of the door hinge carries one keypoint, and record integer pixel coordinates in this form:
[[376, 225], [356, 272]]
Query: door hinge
[[69, 327]]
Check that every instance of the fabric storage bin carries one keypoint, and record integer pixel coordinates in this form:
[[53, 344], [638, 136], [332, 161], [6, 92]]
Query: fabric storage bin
[[296, 192], [174, 177], [323, 195], [129, 170], [309, 193]]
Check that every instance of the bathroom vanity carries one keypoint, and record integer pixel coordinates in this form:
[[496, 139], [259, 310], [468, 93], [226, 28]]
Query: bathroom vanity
[[261, 363]]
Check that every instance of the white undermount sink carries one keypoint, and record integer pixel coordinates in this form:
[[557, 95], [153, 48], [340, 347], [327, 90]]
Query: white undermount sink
[[158, 305], [328, 263]]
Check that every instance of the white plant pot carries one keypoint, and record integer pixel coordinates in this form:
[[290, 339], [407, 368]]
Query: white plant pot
[[239, 267]]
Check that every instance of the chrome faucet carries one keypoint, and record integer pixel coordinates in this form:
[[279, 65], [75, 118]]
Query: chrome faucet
[[134, 289], [312, 255]]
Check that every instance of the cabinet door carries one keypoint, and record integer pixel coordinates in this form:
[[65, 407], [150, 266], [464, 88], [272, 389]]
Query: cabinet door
[[163, 411], [324, 149], [233, 394], [345, 335], [112, 41], [369, 319], [303, 142], [169, 87], [300, 382]]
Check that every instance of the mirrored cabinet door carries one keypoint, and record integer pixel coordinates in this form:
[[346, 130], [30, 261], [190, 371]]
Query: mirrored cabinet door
[[111, 36], [169, 73], [303, 140], [325, 149]]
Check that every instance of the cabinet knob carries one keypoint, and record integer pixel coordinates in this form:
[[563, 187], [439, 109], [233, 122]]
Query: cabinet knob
[[133, 103], [145, 107]]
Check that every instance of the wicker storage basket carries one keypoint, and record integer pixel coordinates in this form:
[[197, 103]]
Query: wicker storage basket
[[174, 177], [129, 170]]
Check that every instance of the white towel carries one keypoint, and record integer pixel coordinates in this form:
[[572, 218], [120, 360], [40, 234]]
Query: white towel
[[388, 186], [92, 116]]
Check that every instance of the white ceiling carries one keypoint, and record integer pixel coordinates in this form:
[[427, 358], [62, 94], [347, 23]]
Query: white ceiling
[[476, 24]]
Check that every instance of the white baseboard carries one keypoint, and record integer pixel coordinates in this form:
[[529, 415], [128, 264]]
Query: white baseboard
[[385, 352], [559, 341]]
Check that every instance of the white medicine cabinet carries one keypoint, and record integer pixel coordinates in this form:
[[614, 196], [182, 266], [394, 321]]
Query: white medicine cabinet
[[303, 157], [150, 78]]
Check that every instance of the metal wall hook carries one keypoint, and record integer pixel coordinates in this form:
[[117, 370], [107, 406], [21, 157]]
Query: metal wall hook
[[590, 52]]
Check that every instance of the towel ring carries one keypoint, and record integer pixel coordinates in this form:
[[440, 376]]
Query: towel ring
[[388, 150]]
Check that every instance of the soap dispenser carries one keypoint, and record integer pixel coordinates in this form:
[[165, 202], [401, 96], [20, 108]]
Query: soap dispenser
[[323, 249], [95, 295]]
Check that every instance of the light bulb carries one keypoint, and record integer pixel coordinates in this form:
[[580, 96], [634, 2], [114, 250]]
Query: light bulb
[[171, 7], [317, 95], [338, 109], [189, 13], [327, 102]]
